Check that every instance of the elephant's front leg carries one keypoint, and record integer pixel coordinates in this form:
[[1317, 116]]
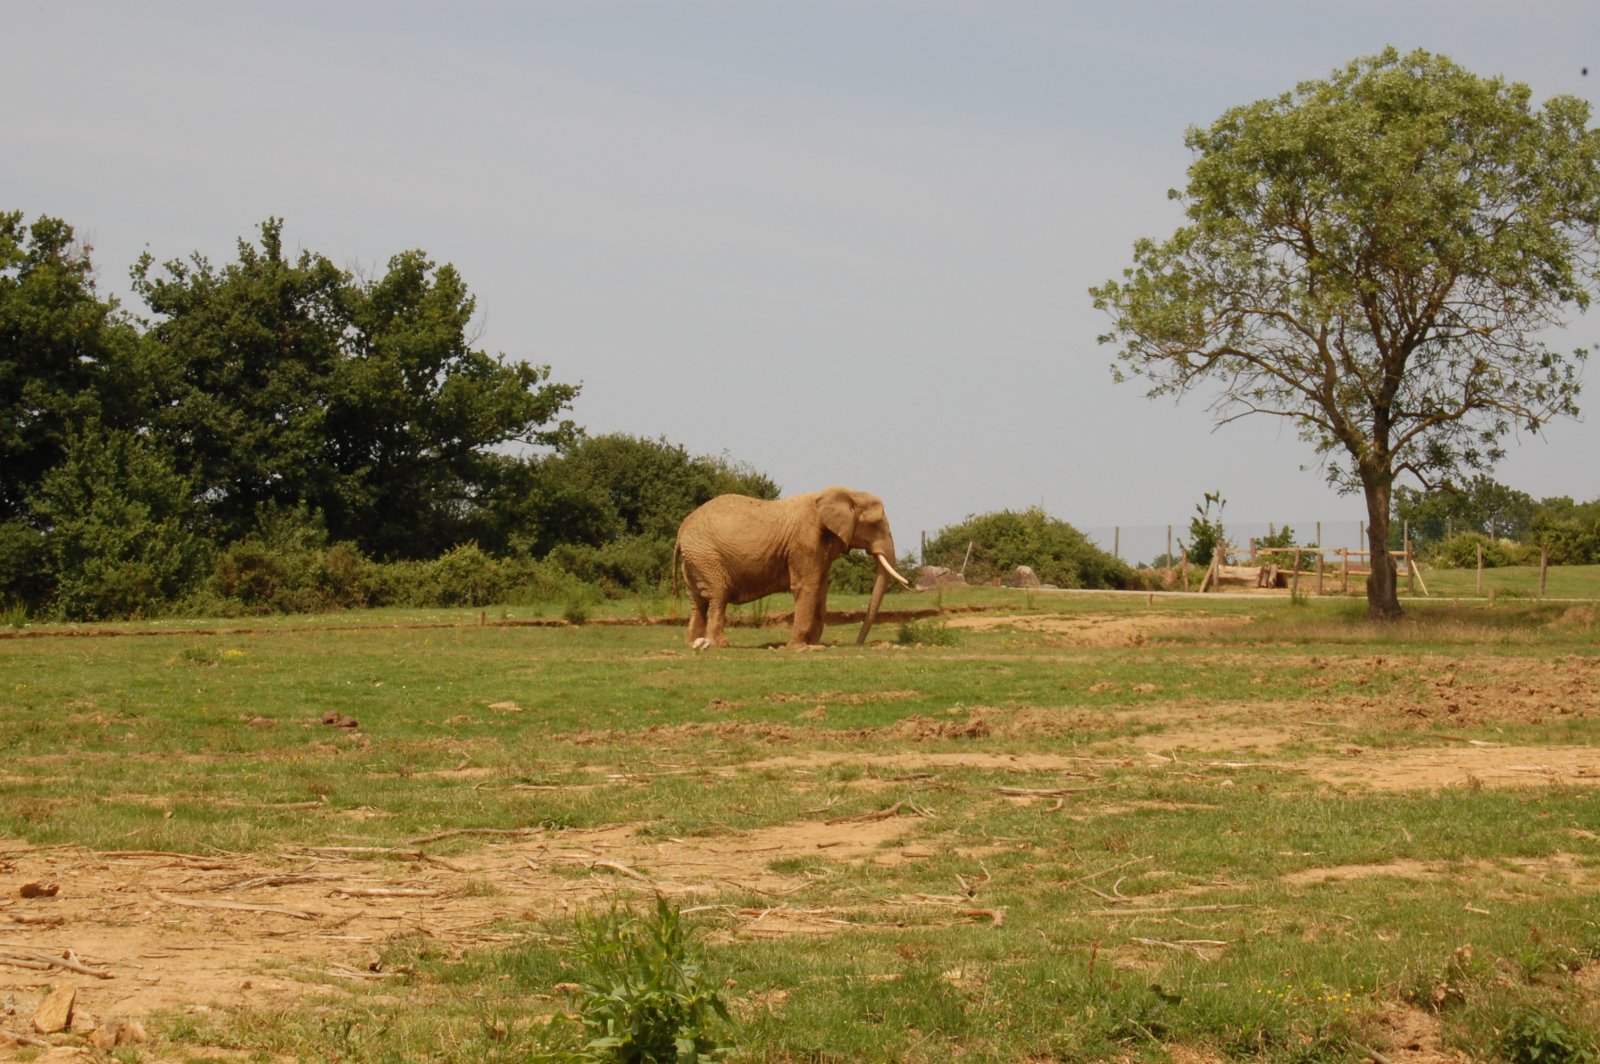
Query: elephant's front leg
[[820, 617], [810, 600]]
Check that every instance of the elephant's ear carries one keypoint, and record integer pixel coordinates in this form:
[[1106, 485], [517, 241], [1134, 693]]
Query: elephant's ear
[[837, 513]]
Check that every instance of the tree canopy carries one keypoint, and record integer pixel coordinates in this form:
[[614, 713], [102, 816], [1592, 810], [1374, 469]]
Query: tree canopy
[[296, 383], [1378, 257], [278, 433]]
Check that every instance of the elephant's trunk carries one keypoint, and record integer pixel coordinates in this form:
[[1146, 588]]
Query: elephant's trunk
[[879, 586]]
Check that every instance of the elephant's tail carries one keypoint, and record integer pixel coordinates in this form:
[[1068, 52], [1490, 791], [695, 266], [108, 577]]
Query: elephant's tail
[[677, 556]]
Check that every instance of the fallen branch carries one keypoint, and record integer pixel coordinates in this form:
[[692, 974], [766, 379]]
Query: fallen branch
[[280, 880], [345, 972], [1164, 909], [386, 892], [623, 869], [34, 959], [881, 814], [1043, 792], [357, 851], [233, 906], [1187, 945], [1107, 871], [453, 832]]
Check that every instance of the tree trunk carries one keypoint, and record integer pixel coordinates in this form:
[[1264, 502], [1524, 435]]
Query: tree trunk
[[1383, 591]]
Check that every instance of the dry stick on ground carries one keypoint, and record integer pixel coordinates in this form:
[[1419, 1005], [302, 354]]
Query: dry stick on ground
[[235, 906], [1138, 911], [386, 892], [624, 869], [1189, 945], [453, 832], [270, 880], [1045, 792], [1107, 871], [33, 959], [881, 814], [355, 851]]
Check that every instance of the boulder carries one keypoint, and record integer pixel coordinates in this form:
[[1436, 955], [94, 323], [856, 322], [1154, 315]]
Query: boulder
[[935, 576], [1023, 576], [55, 1011]]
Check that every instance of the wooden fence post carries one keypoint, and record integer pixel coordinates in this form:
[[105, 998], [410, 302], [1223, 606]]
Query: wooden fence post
[[1480, 569], [1544, 565]]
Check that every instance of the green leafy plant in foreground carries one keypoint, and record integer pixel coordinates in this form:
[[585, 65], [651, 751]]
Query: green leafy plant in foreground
[[1536, 1037], [646, 998]]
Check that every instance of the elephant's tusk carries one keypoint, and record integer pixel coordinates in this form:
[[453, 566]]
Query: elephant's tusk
[[888, 568]]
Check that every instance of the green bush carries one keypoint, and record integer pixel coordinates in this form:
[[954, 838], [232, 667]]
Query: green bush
[[1571, 542], [1533, 1036], [646, 996], [1206, 532], [1460, 551], [1058, 553], [286, 566], [619, 567], [120, 534]]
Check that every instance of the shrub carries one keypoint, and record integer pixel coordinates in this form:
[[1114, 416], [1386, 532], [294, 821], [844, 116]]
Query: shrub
[[1460, 551], [1571, 542], [619, 567], [1058, 553], [1536, 1037], [1205, 531], [120, 522], [646, 996], [286, 566], [465, 576]]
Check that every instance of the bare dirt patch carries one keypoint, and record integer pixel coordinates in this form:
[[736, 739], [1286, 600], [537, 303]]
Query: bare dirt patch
[[165, 930], [1093, 630]]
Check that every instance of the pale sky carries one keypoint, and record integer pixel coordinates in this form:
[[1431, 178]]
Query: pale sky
[[843, 242]]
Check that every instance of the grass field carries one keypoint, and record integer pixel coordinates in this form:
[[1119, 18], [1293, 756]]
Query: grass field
[[1033, 828]]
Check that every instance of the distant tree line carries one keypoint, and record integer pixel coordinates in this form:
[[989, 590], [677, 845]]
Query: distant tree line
[[1449, 524], [280, 433]]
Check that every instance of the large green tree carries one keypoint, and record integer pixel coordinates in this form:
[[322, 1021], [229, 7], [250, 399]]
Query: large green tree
[[603, 489], [1480, 504], [59, 346], [1377, 257], [287, 383]]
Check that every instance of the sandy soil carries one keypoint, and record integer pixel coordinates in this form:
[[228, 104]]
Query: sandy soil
[[153, 931]]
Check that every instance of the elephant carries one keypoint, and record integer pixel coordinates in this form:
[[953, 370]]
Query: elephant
[[736, 549]]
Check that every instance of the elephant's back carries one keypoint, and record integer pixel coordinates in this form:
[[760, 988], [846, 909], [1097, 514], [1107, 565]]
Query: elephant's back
[[739, 509]]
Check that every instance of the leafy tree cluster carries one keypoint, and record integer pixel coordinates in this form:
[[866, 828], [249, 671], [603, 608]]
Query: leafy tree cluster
[[275, 431], [1058, 553], [1449, 524]]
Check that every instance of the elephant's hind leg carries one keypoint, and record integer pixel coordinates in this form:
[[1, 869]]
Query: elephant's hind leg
[[697, 619], [716, 621]]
